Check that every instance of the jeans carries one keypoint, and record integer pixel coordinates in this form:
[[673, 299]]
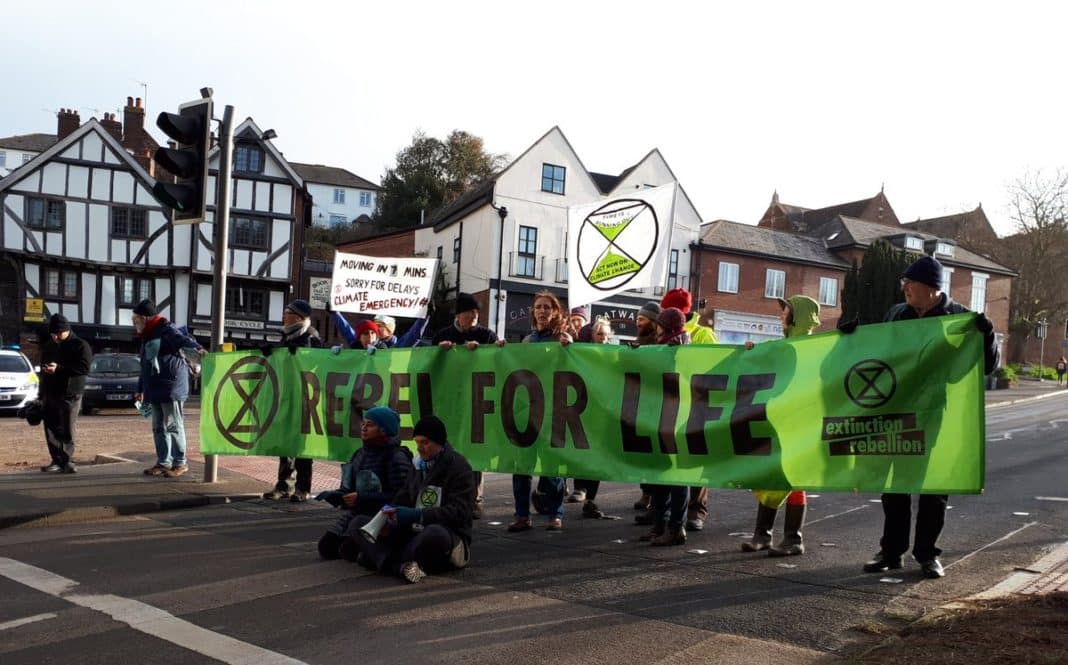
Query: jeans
[[552, 488], [168, 432], [435, 548]]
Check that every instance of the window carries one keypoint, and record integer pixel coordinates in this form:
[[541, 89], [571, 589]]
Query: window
[[944, 248], [133, 290], [673, 269], [248, 158], [365, 199], [728, 277], [128, 222], [528, 248], [552, 178], [455, 250], [829, 291], [248, 233], [947, 279], [775, 284], [979, 291], [912, 242], [45, 214], [62, 284], [3, 159], [339, 196], [440, 252], [337, 220], [246, 302]]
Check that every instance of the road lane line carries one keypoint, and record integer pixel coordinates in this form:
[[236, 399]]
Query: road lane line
[[1051, 498], [145, 618], [25, 620], [990, 544], [844, 512]]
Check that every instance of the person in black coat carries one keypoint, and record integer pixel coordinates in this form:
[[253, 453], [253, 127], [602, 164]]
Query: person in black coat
[[922, 285], [297, 331], [430, 518], [65, 363]]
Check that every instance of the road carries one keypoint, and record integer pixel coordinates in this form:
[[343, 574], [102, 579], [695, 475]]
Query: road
[[242, 583]]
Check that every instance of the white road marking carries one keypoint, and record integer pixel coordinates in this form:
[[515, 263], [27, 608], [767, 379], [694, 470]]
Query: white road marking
[[25, 620], [844, 512], [990, 544], [145, 618], [1051, 498]]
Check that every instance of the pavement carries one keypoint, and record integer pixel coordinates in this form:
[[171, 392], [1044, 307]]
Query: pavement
[[116, 486]]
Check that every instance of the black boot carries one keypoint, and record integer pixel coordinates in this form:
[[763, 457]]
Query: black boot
[[791, 542], [328, 546], [762, 532]]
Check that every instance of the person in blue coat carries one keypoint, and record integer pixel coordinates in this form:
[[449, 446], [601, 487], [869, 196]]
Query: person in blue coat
[[164, 384]]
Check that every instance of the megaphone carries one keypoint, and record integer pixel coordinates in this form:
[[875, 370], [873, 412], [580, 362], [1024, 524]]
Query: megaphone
[[370, 530]]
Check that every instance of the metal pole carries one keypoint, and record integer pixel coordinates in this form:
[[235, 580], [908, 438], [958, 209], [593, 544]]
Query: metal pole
[[1042, 355], [502, 212], [222, 230]]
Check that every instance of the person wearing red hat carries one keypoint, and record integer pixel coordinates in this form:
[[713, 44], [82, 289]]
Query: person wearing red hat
[[681, 299]]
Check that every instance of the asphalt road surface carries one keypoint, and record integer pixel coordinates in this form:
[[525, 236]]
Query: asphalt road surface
[[243, 583]]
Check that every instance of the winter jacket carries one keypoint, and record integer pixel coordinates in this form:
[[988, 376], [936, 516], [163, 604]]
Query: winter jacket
[[945, 307], [72, 357], [546, 335], [390, 464], [806, 316], [455, 480], [452, 333], [349, 333], [164, 372], [410, 338], [699, 334], [307, 338]]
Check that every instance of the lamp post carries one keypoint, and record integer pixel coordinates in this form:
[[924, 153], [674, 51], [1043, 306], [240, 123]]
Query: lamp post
[[1040, 332], [502, 212]]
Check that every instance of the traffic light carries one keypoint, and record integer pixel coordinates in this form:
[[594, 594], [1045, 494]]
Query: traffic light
[[190, 128]]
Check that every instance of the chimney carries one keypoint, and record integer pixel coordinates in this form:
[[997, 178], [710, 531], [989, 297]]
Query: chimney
[[133, 132], [112, 126], [67, 122]]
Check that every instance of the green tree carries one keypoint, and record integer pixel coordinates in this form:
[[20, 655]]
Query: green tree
[[431, 173], [874, 286]]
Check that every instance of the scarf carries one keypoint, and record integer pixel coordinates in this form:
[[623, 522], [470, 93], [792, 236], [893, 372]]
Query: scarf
[[295, 330]]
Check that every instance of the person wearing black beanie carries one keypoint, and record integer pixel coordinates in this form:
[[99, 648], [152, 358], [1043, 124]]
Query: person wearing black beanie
[[65, 361]]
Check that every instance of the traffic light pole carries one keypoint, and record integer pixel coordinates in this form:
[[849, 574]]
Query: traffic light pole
[[222, 231]]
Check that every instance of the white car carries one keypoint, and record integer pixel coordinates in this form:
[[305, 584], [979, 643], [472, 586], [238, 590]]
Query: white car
[[18, 381]]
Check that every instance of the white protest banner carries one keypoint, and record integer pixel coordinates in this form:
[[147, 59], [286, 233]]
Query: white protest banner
[[377, 285], [619, 244]]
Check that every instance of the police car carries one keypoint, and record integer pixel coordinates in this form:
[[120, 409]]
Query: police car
[[18, 381]]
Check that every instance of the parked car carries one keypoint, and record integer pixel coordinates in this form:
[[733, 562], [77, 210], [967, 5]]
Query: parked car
[[112, 381], [18, 380]]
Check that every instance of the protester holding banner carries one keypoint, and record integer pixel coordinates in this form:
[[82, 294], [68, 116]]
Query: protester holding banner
[[465, 330], [376, 472], [387, 324], [669, 529], [800, 315], [922, 286], [550, 325], [363, 337], [429, 529], [697, 510], [647, 333], [297, 332], [586, 490]]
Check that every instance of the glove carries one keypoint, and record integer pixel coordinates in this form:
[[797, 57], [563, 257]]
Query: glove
[[292, 349], [408, 516], [265, 349], [848, 327], [984, 324], [333, 497], [335, 349], [371, 350]]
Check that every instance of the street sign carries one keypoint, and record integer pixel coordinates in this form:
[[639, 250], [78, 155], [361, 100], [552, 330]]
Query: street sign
[[1040, 330], [34, 310]]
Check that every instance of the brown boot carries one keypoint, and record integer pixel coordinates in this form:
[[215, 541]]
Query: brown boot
[[658, 530], [644, 502], [675, 535]]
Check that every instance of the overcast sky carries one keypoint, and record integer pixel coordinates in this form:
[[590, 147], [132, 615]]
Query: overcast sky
[[945, 103]]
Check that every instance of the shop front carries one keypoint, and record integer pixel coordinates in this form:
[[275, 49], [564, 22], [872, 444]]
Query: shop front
[[740, 327]]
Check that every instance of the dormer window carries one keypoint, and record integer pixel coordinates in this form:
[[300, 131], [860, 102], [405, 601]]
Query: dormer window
[[248, 158], [944, 249], [912, 242]]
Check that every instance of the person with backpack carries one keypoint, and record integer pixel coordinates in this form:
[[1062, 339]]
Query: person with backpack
[[1062, 365]]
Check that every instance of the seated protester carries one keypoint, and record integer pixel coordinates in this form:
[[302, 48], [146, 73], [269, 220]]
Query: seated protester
[[377, 471], [386, 326], [363, 337], [429, 529]]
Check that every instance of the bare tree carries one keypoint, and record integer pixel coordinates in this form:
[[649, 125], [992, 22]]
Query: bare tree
[[1038, 251]]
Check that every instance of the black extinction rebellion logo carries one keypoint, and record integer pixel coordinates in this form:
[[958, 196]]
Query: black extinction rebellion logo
[[870, 383], [615, 242], [249, 386]]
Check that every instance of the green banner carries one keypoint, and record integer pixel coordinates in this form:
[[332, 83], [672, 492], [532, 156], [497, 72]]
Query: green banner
[[892, 407]]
